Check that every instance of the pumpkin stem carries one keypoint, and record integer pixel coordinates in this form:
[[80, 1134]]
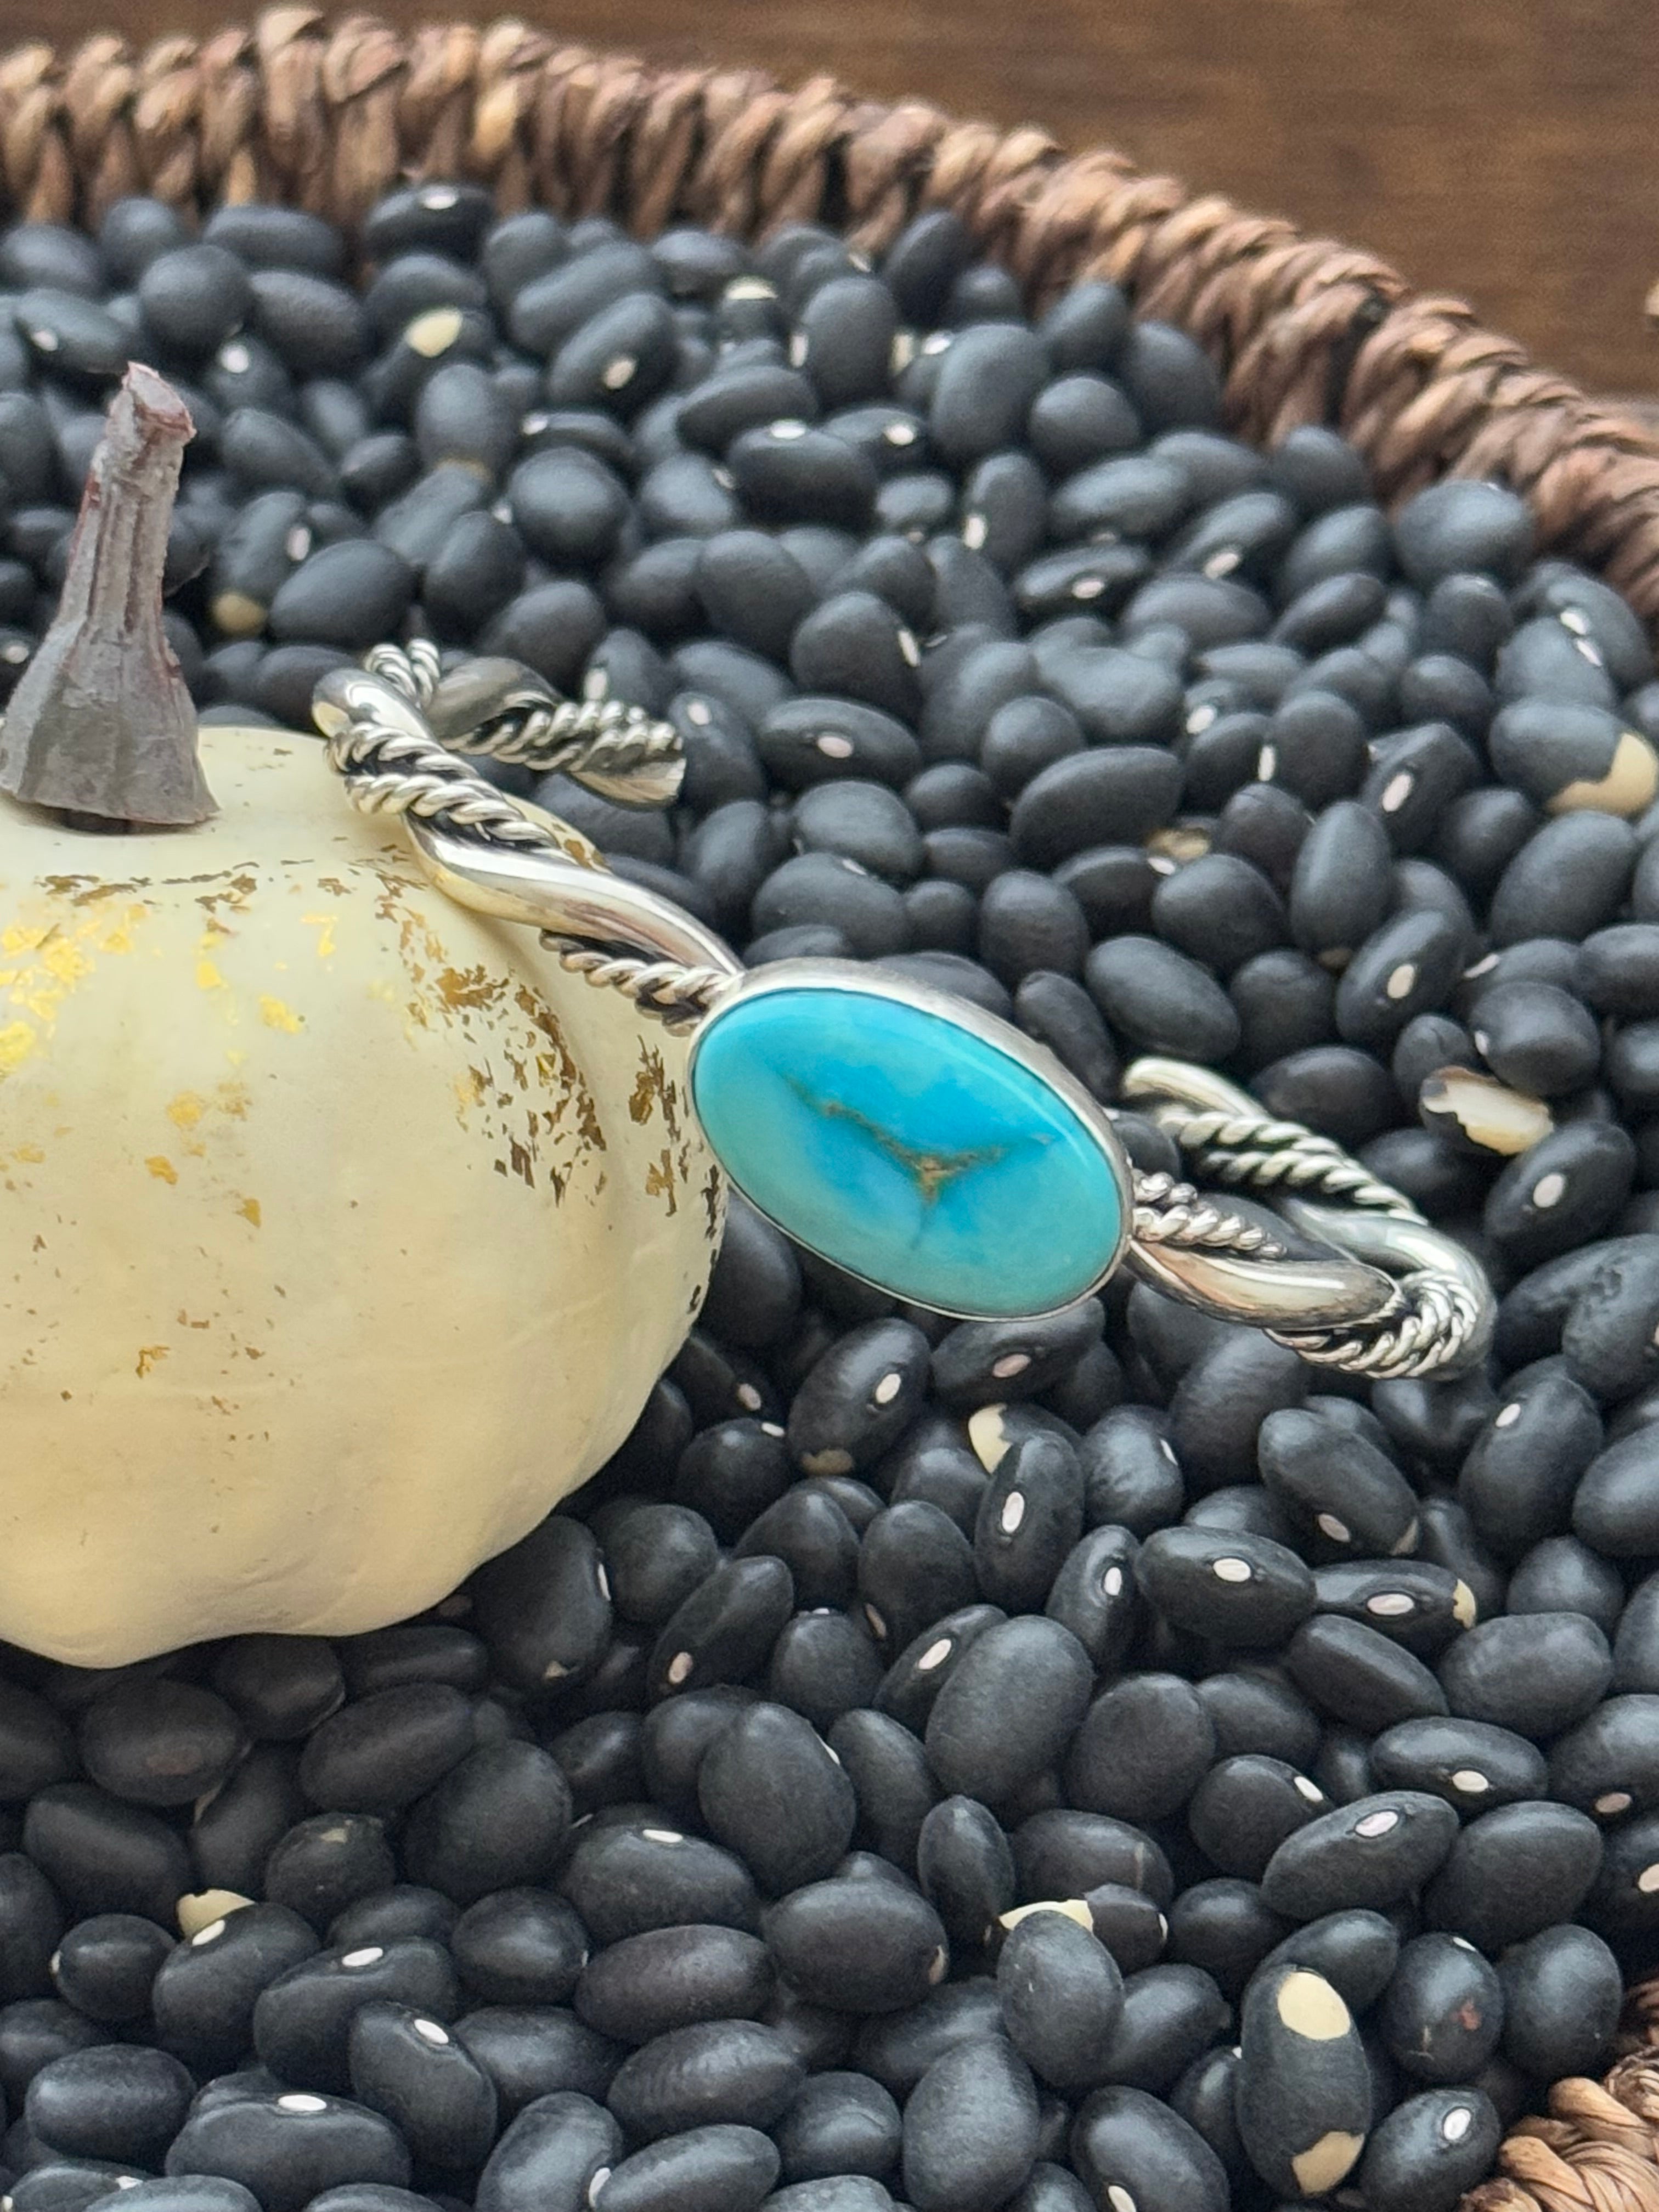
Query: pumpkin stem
[[102, 726]]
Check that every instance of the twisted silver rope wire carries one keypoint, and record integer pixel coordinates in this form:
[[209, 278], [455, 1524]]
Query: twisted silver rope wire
[[390, 771], [1430, 1321], [1439, 1319], [677, 997], [1268, 1155], [1169, 1211], [610, 739]]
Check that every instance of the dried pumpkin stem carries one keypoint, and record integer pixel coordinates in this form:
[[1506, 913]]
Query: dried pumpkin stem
[[102, 727]]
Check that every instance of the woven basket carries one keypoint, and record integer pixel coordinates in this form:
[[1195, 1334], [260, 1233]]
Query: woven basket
[[327, 117]]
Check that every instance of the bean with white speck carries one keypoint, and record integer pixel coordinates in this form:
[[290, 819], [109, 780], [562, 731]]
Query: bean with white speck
[[551, 2157], [288, 2148], [1344, 1496], [1432, 2148], [1244, 1808]]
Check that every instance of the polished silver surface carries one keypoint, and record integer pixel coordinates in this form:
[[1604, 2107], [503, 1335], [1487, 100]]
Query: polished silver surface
[[565, 898], [1387, 1296]]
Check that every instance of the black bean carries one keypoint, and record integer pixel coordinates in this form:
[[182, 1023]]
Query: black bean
[[650, 1983], [1413, 1602], [892, 1781], [393, 1916], [1346, 1496], [731, 1471], [965, 1869], [1346, 540], [705, 2169], [626, 1878], [536, 2053], [1622, 1901], [211, 2193], [1514, 1872], [1372, 1854], [1605, 1765], [971, 2129], [235, 1831], [842, 2192], [70, 336], [1131, 1474], [620, 357], [1255, 1708], [911, 1683], [859, 1399], [770, 1790], [737, 2073], [1561, 2001], [567, 506], [1127, 2141], [1220, 910], [1459, 525], [117, 2102], [1612, 1509], [1567, 880], [1223, 1930], [347, 595], [288, 2148], [1029, 1517], [103, 1855], [1355, 1673], [519, 1947], [1170, 2014], [553, 305], [1142, 1749], [808, 1531], [1160, 1000], [279, 1686], [1305, 2090], [497, 1818], [1561, 1575], [1314, 747], [812, 741], [753, 589], [104, 1966], [410, 2068], [1536, 1673], [552, 2157], [1246, 1807], [1031, 1668], [1423, 2155], [841, 2124], [1443, 2012], [1241, 1590], [544, 1607], [1546, 661], [194, 297]]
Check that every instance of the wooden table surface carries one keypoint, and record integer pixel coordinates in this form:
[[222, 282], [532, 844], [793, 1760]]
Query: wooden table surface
[[1505, 150]]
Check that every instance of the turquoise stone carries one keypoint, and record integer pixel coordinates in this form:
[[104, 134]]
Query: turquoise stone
[[908, 1149]]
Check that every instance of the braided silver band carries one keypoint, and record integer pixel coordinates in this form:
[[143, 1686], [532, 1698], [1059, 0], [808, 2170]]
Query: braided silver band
[[1396, 1298]]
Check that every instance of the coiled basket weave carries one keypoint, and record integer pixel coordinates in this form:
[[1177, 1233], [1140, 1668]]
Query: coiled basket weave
[[327, 116]]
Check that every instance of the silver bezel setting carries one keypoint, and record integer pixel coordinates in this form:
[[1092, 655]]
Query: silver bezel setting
[[851, 977]]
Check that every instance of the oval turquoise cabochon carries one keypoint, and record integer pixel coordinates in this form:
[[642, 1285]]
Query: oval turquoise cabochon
[[910, 1148]]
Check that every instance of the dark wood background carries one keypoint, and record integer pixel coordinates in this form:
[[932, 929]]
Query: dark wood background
[[1505, 150]]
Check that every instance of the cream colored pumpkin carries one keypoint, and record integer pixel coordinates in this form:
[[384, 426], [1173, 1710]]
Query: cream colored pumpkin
[[345, 1233]]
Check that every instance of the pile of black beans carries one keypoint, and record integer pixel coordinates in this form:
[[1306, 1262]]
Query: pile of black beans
[[1094, 1763]]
